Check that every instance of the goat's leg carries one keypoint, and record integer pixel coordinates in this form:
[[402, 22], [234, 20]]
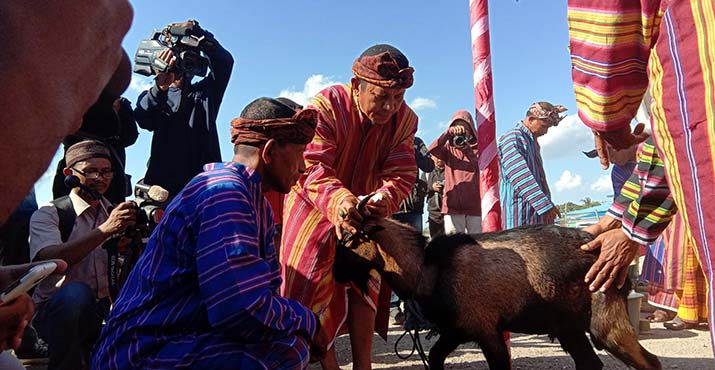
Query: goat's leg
[[577, 345], [445, 345], [495, 351]]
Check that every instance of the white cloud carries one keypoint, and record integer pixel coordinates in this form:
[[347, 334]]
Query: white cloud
[[422, 103], [140, 83], [568, 181], [443, 124], [313, 85], [568, 139], [603, 184]]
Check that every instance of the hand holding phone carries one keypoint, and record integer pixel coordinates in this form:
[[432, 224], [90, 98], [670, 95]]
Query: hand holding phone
[[27, 281]]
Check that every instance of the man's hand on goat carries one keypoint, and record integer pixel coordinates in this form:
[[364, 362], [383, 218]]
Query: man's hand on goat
[[377, 205], [617, 252], [349, 218], [606, 223]]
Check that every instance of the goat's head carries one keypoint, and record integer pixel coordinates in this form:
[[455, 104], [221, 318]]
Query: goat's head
[[383, 244]]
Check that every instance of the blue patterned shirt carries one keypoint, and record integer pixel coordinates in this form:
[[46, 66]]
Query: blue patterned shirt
[[523, 189], [210, 268]]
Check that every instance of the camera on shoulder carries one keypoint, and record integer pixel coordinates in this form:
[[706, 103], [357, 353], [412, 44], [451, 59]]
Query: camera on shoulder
[[186, 40]]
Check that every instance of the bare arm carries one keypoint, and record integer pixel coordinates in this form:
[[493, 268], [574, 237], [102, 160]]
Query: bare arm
[[75, 250]]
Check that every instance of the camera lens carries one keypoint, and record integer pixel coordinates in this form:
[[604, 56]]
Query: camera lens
[[459, 141]]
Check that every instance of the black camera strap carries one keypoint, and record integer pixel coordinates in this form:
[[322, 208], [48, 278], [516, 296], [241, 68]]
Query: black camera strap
[[112, 265], [112, 248]]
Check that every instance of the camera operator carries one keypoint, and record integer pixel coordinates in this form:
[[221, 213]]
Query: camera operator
[[183, 114], [73, 228], [457, 147]]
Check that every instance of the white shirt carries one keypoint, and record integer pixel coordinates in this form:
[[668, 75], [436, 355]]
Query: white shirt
[[93, 269]]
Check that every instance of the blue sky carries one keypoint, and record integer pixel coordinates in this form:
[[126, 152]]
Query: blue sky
[[294, 48]]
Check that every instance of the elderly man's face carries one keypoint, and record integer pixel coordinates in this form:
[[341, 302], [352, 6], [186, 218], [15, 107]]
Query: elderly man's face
[[286, 166], [537, 126], [379, 104]]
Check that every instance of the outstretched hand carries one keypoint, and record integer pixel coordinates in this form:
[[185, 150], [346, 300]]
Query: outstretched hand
[[619, 139], [617, 252]]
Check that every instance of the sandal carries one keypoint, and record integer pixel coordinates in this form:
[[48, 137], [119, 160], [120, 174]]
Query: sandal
[[678, 324], [660, 316]]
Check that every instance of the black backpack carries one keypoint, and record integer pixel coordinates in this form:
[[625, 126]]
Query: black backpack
[[67, 215]]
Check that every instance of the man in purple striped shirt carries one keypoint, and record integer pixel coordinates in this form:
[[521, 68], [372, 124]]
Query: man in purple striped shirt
[[204, 295], [524, 192]]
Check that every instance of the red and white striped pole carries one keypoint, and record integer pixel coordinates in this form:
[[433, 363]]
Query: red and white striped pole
[[484, 115]]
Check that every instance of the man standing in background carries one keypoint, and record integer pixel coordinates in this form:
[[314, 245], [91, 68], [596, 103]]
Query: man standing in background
[[524, 192]]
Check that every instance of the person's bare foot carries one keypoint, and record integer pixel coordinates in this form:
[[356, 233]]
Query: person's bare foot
[[660, 316]]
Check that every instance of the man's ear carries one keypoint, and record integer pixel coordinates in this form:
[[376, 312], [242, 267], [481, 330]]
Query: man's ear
[[355, 84], [267, 151], [67, 171]]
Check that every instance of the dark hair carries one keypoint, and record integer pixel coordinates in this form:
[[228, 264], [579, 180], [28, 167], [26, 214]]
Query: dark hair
[[290, 103], [267, 108], [400, 58]]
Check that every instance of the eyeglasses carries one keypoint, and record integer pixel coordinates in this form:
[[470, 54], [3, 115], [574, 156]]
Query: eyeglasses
[[96, 174]]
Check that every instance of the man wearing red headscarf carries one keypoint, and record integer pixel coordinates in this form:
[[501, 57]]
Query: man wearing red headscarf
[[211, 299], [363, 144]]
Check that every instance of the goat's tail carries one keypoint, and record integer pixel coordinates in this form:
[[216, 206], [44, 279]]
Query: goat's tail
[[611, 330]]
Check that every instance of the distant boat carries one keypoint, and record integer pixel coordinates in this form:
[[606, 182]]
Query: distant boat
[[583, 217]]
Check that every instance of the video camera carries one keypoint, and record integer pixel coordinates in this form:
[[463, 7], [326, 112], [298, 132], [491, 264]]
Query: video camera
[[186, 40], [150, 201]]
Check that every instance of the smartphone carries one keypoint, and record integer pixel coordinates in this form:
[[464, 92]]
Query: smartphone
[[28, 281]]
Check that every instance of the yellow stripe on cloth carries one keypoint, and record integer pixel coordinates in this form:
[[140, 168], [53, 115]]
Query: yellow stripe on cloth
[[704, 16], [663, 138]]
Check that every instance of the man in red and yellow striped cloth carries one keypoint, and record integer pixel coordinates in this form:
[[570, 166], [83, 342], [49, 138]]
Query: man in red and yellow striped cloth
[[363, 144], [620, 46]]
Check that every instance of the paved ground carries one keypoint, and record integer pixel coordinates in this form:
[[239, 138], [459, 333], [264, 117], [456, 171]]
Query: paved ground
[[687, 350]]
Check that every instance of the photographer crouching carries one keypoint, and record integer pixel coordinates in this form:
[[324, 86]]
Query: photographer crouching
[[71, 307], [181, 114]]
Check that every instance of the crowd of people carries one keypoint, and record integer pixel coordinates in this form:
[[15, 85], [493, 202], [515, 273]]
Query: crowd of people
[[238, 272]]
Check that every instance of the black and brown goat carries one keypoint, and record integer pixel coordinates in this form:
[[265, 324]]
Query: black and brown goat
[[525, 280]]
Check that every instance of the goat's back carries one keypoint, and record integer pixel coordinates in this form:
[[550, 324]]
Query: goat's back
[[526, 279]]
